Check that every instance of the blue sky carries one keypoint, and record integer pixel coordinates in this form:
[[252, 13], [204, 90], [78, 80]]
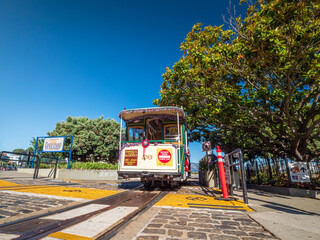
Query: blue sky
[[88, 58]]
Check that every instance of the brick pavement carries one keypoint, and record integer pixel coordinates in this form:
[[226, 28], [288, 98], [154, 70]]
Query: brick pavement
[[14, 204], [173, 223]]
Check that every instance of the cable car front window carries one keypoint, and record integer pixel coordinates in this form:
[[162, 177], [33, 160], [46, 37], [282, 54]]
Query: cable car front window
[[154, 129], [135, 134]]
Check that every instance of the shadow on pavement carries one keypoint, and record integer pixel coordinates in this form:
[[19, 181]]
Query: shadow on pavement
[[129, 185], [283, 208], [267, 194]]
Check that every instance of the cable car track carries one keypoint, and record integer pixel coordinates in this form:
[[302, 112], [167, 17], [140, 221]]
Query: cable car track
[[40, 226]]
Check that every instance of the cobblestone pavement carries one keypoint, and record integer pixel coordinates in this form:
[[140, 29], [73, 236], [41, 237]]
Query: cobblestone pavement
[[14, 204], [172, 223]]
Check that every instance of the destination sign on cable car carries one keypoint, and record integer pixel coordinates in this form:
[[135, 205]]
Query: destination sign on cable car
[[130, 158]]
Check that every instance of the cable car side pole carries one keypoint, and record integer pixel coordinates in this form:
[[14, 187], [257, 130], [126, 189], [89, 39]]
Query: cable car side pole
[[179, 160], [119, 160]]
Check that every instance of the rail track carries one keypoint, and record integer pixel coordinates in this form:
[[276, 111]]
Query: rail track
[[122, 207]]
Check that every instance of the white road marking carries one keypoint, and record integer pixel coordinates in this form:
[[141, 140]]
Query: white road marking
[[99, 223], [4, 236], [50, 238], [76, 212], [47, 196]]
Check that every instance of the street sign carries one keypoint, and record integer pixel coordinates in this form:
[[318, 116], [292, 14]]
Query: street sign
[[206, 146], [53, 144], [299, 172]]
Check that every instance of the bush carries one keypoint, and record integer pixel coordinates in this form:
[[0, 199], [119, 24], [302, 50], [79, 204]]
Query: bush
[[2, 163], [44, 165], [203, 165]]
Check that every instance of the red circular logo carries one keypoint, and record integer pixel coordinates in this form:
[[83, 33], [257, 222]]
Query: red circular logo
[[145, 143], [164, 156]]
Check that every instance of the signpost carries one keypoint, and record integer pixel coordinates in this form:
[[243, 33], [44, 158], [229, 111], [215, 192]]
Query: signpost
[[54, 144], [206, 147]]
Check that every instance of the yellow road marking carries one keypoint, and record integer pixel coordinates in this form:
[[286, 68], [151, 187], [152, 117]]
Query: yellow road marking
[[85, 193], [198, 201], [7, 184], [68, 236]]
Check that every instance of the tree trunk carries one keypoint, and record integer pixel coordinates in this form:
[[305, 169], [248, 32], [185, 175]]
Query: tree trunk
[[270, 171], [257, 171], [288, 171], [277, 165]]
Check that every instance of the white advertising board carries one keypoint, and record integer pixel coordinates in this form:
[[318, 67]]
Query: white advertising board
[[53, 144], [299, 172]]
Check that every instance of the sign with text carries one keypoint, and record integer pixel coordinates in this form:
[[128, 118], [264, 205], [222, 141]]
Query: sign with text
[[130, 158], [164, 157], [53, 144], [299, 172]]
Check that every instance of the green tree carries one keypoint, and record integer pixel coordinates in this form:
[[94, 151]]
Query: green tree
[[94, 139], [19, 150], [259, 79]]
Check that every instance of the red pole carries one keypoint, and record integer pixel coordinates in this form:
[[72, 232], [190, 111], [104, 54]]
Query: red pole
[[222, 174]]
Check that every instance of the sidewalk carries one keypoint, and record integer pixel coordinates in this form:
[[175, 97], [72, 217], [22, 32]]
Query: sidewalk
[[286, 217]]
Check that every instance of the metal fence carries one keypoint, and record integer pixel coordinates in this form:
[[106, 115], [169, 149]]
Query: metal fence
[[12, 161], [275, 171]]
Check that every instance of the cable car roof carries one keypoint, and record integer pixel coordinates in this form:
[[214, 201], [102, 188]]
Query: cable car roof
[[140, 113]]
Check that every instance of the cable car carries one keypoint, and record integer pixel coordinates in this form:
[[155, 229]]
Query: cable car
[[154, 146]]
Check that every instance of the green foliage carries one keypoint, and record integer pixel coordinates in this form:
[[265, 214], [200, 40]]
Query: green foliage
[[33, 144], [93, 139], [44, 165], [203, 165], [19, 150], [256, 87], [3, 164]]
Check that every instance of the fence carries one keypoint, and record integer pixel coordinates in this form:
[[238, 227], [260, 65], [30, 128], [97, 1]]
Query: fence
[[274, 171], [12, 161]]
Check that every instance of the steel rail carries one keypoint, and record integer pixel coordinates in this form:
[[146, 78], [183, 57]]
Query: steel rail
[[43, 231], [146, 199], [128, 219], [23, 220]]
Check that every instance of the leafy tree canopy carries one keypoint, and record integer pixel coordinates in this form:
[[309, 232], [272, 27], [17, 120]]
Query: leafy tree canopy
[[92, 138], [19, 150], [256, 85]]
